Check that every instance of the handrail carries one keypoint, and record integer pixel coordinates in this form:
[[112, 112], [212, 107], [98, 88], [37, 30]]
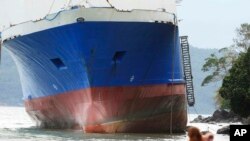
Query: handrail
[[165, 17], [58, 13]]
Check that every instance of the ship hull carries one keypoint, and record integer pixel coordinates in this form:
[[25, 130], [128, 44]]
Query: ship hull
[[102, 74], [143, 109]]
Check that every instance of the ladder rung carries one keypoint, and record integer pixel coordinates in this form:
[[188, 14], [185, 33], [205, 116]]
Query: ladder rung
[[187, 70]]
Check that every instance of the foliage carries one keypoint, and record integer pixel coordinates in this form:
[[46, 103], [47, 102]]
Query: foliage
[[221, 102], [218, 64], [236, 85], [231, 64], [243, 34]]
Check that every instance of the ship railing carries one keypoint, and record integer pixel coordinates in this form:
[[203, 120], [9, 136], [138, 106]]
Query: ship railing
[[160, 10], [168, 18]]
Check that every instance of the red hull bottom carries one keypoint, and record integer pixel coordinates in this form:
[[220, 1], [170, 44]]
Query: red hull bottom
[[135, 109]]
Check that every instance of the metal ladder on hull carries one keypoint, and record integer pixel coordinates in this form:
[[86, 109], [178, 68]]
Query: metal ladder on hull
[[187, 70]]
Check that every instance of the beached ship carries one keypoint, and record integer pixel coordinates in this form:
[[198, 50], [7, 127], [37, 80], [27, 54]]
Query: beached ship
[[108, 68]]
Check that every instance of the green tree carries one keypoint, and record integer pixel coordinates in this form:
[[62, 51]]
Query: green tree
[[218, 64], [236, 86]]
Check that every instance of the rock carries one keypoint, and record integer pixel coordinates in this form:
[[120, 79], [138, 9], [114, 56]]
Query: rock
[[198, 119], [246, 121], [224, 130], [220, 116], [212, 122], [232, 114], [207, 120], [236, 119]]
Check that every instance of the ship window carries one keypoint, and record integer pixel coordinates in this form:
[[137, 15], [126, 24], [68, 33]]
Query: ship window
[[58, 63], [118, 56]]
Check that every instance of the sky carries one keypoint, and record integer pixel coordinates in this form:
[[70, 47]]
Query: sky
[[208, 23], [212, 23]]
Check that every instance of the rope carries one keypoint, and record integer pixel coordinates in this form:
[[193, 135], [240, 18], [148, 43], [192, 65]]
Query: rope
[[197, 113], [58, 13], [110, 4], [172, 84], [195, 110], [68, 4], [51, 6]]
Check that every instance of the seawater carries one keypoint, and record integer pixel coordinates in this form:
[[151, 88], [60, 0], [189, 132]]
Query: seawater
[[15, 125]]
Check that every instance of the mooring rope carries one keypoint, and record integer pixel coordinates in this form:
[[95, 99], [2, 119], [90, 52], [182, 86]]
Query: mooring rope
[[58, 13], [173, 69], [51, 6], [69, 2], [195, 110], [110, 4], [197, 113]]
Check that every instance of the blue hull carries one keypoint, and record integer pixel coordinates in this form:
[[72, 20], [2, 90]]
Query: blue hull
[[96, 54]]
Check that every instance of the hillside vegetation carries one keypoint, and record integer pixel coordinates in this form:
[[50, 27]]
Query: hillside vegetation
[[236, 86], [232, 66]]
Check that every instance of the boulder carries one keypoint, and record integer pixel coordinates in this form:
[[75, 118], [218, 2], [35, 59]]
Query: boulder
[[198, 119], [246, 121], [219, 116], [207, 120], [224, 130]]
